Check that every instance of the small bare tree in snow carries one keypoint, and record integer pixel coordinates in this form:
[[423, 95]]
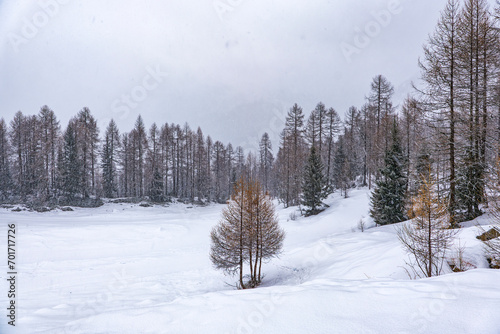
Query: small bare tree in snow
[[426, 237], [248, 233], [491, 238]]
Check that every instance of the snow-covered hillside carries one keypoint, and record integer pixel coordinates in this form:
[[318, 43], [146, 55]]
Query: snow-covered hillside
[[123, 268]]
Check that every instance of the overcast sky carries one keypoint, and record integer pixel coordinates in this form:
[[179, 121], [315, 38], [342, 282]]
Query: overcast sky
[[233, 67]]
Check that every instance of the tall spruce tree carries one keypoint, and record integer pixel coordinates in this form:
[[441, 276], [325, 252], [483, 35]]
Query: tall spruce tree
[[478, 63], [291, 156], [49, 134], [156, 189], [72, 165], [388, 198], [381, 109], [108, 160], [266, 160], [470, 187], [333, 127], [341, 167], [88, 139], [5, 176], [315, 185]]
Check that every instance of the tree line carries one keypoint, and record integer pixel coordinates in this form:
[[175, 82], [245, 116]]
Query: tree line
[[451, 122], [41, 163], [452, 174]]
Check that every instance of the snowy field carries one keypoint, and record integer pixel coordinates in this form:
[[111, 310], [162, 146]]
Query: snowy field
[[123, 268]]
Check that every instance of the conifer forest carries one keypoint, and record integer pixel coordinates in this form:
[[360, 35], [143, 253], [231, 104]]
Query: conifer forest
[[449, 125], [376, 215]]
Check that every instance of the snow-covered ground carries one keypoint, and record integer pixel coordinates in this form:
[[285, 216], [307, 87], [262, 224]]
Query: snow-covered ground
[[123, 268]]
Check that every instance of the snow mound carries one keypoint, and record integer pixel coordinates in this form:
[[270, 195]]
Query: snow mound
[[122, 268]]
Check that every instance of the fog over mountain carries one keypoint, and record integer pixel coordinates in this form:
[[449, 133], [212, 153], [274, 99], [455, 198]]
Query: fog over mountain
[[232, 67]]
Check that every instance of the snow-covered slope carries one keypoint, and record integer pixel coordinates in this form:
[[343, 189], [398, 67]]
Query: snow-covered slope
[[123, 268]]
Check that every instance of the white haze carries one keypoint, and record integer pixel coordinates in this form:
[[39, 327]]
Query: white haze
[[232, 67]]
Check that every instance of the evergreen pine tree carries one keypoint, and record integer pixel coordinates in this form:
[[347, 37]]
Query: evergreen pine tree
[[88, 139], [156, 190], [388, 198], [266, 160], [108, 157], [470, 187], [59, 181], [5, 176], [107, 172], [341, 168], [291, 157], [72, 170], [314, 188], [49, 135]]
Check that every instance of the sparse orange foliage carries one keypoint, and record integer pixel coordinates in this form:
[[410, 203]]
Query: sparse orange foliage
[[427, 236], [247, 233]]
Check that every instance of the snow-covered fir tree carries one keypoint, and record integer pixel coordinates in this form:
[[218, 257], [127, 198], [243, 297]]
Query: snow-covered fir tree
[[266, 160], [108, 160], [71, 169], [49, 133], [389, 197], [315, 184], [5, 176], [470, 187], [341, 167]]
